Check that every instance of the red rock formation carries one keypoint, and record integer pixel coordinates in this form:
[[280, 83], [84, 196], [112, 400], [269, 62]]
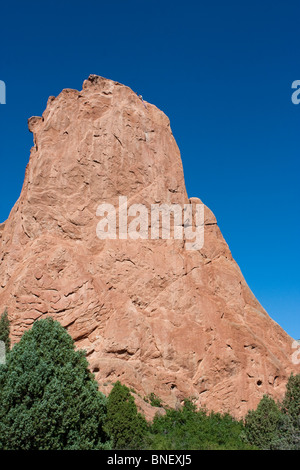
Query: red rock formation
[[150, 313]]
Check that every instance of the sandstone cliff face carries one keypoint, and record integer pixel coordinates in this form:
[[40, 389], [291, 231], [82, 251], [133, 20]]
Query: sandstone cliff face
[[150, 313]]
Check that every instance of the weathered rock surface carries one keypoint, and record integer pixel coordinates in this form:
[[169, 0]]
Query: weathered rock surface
[[150, 313]]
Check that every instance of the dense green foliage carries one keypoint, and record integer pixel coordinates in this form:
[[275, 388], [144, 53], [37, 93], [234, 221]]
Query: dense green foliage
[[261, 424], [291, 402], [153, 399], [48, 398], [4, 330], [276, 426], [124, 424], [189, 429]]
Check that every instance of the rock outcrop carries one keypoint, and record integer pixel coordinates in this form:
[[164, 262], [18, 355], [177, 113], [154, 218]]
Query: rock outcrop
[[156, 316]]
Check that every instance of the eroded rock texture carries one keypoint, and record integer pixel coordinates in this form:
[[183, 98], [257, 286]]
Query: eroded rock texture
[[150, 313]]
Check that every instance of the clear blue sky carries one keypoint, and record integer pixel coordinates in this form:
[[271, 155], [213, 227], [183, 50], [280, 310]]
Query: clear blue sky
[[222, 72]]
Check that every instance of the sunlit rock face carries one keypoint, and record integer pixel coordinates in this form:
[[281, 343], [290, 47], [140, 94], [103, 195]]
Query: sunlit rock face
[[157, 316]]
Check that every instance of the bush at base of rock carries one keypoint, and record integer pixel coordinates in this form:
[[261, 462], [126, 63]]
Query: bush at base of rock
[[189, 429], [4, 330], [48, 397], [276, 426], [124, 424]]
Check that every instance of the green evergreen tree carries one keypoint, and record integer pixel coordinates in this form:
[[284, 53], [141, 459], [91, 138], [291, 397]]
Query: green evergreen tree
[[48, 398], [261, 425], [124, 424], [288, 434], [291, 402], [288, 437], [5, 330]]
